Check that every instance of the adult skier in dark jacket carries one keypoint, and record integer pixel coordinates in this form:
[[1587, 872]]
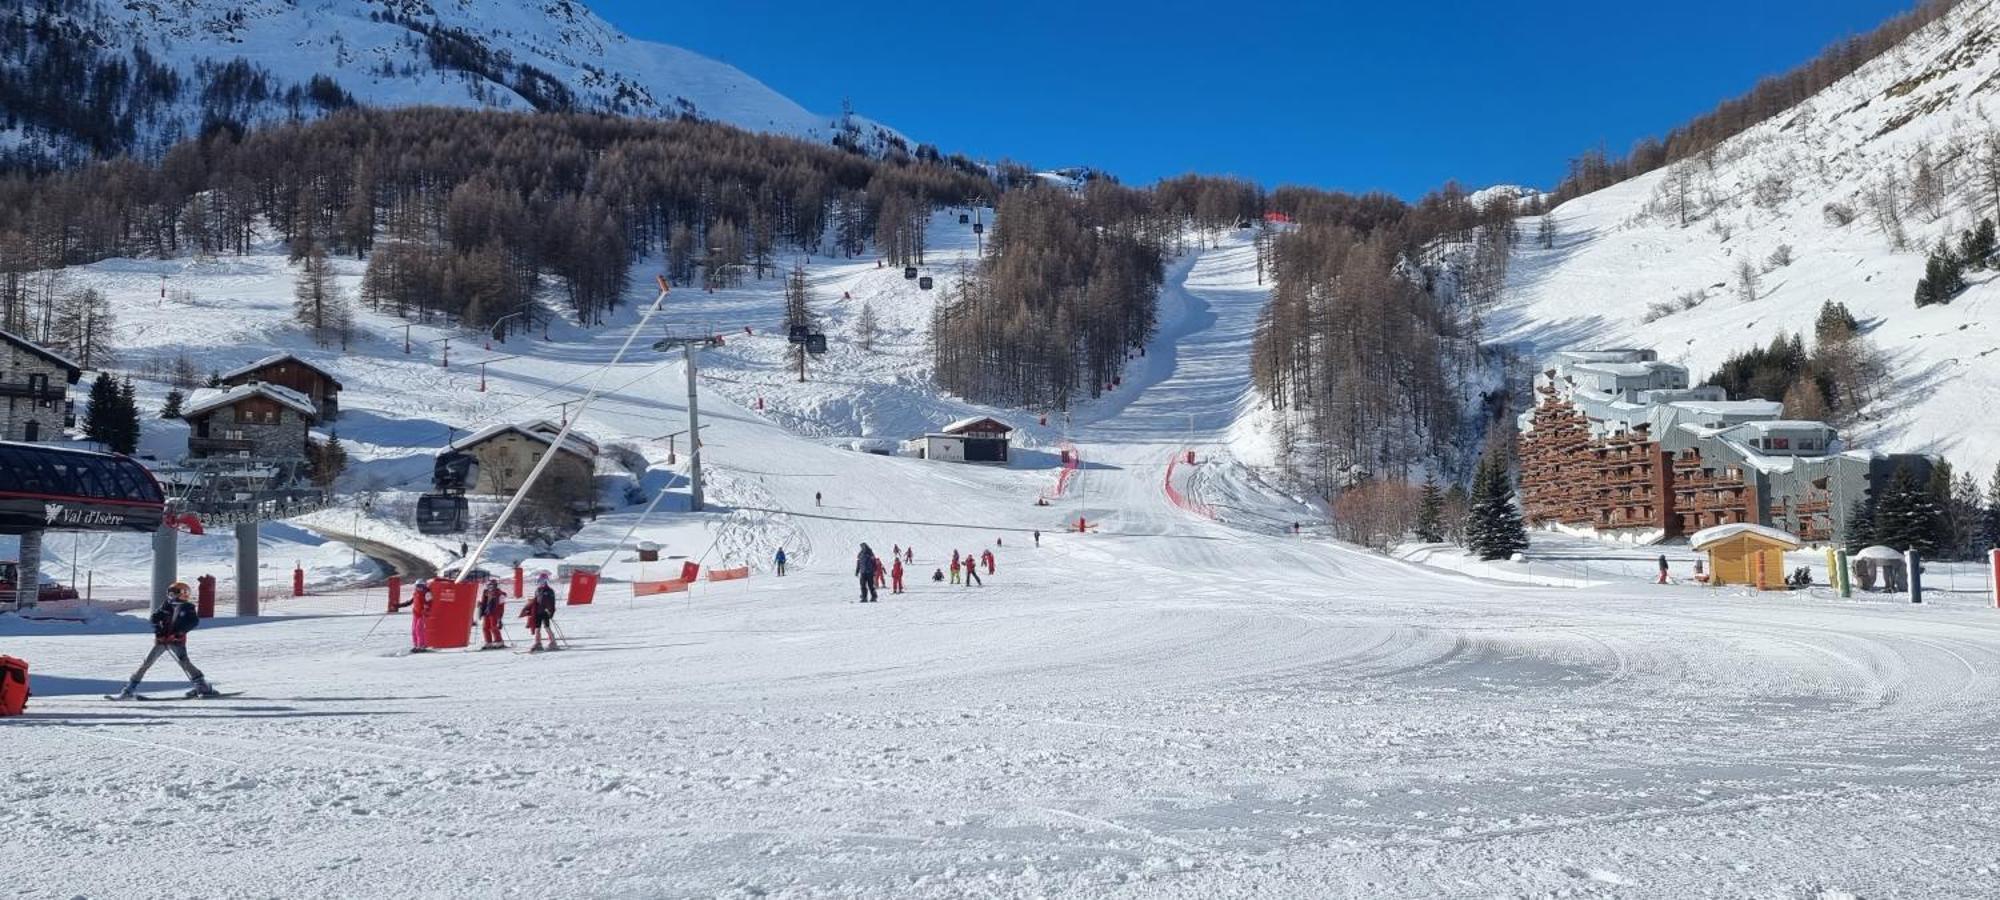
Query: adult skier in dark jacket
[[541, 613], [171, 624], [866, 568]]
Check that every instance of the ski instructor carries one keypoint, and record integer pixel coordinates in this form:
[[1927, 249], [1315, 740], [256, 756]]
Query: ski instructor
[[171, 624], [868, 569]]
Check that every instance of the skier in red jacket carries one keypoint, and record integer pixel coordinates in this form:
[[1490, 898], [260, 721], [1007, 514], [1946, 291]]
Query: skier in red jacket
[[896, 576], [987, 557]]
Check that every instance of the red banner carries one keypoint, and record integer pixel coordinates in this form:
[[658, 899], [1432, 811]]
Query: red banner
[[448, 626], [582, 588], [690, 571], [729, 574], [649, 588]]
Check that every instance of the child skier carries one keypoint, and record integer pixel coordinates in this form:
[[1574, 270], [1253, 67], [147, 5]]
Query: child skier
[[896, 576], [780, 560], [492, 614], [972, 571], [868, 569], [1038, 539], [937, 576], [541, 613], [987, 557], [954, 568], [420, 609], [171, 624]]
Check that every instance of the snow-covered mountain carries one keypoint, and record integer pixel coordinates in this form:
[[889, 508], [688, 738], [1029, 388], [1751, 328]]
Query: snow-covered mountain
[[1839, 198], [250, 61]]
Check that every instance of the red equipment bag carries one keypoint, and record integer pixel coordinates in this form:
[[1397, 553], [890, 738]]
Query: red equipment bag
[[13, 686]]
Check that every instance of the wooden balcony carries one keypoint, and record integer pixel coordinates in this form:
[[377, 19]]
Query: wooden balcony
[[219, 445]]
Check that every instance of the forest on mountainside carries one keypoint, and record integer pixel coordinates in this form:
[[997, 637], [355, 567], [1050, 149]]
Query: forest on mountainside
[[461, 214], [1363, 352], [1596, 169]]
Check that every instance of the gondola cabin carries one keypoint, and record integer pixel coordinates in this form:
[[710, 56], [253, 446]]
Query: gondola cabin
[[909, 272], [443, 514], [924, 282]]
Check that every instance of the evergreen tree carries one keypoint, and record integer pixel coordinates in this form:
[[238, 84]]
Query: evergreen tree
[[1456, 504], [1430, 513], [99, 421], [1494, 530], [1991, 536], [171, 409], [1860, 532], [1977, 246], [125, 436], [1908, 517], [1968, 517], [866, 327]]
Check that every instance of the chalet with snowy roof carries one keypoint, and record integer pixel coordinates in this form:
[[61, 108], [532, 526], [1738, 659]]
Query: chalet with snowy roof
[[508, 452], [249, 421], [979, 439], [34, 391], [289, 371], [1619, 445]]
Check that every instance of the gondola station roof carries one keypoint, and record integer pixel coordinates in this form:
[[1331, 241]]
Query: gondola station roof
[[44, 488]]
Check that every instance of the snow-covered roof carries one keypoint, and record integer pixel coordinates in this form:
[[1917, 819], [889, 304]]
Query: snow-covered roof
[[273, 360], [552, 429], [966, 424], [1732, 407], [75, 371], [1707, 537], [1625, 369], [574, 443], [210, 399], [1880, 554], [1770, 425]]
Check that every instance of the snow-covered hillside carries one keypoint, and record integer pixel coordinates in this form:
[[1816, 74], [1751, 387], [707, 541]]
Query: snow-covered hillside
[[1188, 701], [505, 54], [1854, 187]]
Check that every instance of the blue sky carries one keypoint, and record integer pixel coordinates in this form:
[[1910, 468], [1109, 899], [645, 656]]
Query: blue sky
[[1393, 96]]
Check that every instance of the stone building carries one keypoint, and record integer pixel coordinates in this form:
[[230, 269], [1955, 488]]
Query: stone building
[[508, 452], [34, 391], [249, 421], [286, 370]]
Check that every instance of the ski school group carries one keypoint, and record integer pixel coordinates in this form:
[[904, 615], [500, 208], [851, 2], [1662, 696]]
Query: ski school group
[[874, 574], [178, 616]]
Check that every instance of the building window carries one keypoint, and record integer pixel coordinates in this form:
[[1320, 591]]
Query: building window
[[32, 433], [1781, 443]]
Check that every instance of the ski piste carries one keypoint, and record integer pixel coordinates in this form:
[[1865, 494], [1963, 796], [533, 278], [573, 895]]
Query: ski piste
[[173, 698]]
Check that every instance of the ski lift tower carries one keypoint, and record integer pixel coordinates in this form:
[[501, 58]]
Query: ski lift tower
[[689, 344]]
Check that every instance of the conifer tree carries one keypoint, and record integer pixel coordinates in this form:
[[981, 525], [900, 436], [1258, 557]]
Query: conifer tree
[[100, 418], [1494, 529], [1991, 535], [1430, 513], [1860, 531], [126, 434], [865, 327], [171, 408], [1908, 517]]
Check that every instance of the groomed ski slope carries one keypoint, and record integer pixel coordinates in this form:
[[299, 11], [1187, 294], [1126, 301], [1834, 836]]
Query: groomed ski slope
[[1171, 706]]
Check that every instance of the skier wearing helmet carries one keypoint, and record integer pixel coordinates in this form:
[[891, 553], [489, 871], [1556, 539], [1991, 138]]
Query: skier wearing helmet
[[171, 624], [541, 613]]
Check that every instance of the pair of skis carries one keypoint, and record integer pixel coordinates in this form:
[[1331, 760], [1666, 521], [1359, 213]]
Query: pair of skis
[[168, 698]]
